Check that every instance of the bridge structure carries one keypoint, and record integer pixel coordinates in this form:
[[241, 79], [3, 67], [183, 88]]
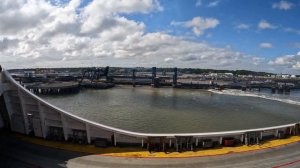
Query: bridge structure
[[152, 77], [24, 112]]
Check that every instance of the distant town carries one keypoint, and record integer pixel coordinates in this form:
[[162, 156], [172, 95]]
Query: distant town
[[191, 71], [61, 80]]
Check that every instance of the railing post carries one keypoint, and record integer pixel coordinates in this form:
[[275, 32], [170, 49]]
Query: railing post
[[176, 145], [23, 110], [64, 125], [88, 133], [261, 135], [115, 139], [42, 119], [242, 138]]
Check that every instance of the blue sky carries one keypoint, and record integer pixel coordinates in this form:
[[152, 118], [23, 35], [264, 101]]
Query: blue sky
[[232, 13], [260, 35]]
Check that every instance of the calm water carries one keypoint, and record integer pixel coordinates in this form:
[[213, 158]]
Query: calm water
[[167, 110]]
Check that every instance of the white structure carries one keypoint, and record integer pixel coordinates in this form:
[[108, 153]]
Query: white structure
[[29, 114]]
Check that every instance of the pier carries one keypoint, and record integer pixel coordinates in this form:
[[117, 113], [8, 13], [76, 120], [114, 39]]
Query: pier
[[156, 79], [54, 88]]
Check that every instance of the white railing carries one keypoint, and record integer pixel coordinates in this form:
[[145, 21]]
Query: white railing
[[138, 134]]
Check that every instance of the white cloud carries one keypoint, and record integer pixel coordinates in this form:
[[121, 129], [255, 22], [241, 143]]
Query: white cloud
[[44, 32], [7, 43], [198, 3], [100, 14], [16, 16], [265, 45], [242, 26], [257, 60], [99, 34], [283, 5], [213, 4], [206, 3], [292, 30], [104, 7], [168, 59], [198, 24], [263, 24], [287, 61]]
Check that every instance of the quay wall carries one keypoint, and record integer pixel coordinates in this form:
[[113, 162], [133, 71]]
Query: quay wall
[[28, 114]]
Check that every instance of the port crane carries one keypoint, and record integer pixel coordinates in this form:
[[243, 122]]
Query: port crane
[[95, 74]]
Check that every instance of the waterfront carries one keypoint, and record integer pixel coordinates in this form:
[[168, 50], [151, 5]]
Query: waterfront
[[167, 110]]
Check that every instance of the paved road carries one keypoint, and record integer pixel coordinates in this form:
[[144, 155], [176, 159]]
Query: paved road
[[18, 154], [283, 157]]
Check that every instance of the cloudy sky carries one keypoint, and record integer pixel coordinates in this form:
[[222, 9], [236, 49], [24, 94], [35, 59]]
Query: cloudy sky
[[220, 34]]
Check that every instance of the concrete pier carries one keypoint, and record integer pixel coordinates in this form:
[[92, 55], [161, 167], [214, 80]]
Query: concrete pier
[[54, 88]]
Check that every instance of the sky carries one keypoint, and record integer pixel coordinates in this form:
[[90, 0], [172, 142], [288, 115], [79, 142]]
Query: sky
[[259, 35]]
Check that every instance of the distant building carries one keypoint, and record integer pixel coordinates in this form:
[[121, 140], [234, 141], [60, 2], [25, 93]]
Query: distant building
[[28, 73], [226, 75], [284, 76]]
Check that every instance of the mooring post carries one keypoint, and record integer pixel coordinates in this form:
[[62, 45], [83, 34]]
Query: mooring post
[[106, 71], [133, 77], [153, 74], [175, 77]]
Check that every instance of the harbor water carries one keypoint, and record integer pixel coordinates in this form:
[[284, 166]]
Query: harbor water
[[168, 110]]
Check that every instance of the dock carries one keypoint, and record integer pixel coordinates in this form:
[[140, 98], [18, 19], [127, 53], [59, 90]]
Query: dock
[[97, 85], [54, 87]]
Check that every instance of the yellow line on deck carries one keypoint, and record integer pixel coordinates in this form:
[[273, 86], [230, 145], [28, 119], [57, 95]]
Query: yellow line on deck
[[143, 153]]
